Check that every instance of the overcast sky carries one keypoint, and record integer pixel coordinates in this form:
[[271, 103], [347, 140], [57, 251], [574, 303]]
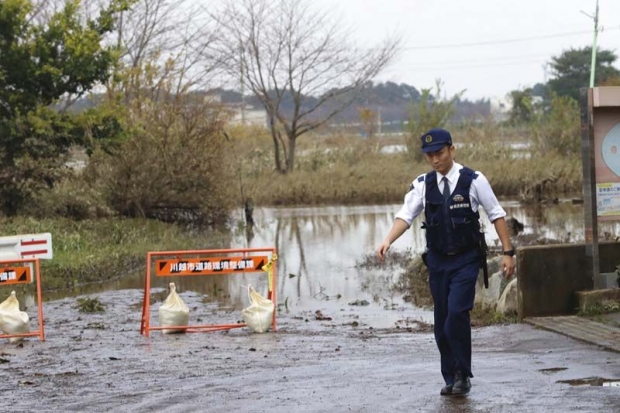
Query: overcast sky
[[449, 39]]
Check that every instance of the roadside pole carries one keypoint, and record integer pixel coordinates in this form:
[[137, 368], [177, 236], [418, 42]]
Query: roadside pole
[[600, 145], [589, 183]]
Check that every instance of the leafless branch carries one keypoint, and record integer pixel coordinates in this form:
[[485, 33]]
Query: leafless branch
[[284, 51]]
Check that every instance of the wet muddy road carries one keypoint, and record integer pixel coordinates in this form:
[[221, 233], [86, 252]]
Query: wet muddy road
[[100, 363]]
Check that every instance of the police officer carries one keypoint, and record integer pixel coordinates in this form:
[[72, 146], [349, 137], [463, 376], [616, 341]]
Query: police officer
[[450, 196]]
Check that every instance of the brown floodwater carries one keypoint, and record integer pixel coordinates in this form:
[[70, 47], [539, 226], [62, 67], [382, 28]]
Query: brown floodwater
[[320, 249]]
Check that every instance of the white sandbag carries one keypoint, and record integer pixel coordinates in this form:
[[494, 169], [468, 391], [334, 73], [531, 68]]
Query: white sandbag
[[259, 315], [173, 312], [13, 321]]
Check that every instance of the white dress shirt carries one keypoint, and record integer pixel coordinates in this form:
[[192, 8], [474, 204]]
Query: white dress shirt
[[480, 194]]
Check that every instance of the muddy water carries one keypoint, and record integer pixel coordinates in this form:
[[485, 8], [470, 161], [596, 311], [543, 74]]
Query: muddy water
[[319, 247], [319, 250]]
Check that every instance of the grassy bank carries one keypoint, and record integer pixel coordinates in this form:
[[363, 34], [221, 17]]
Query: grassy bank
[[101, 250]]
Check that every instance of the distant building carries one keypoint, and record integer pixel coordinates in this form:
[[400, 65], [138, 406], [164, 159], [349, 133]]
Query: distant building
[[248, 115], [240, 113], [500, 109], [537, 102]]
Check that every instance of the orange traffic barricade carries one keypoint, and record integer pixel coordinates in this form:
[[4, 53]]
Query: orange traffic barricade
[[206, 263], [20, 271]]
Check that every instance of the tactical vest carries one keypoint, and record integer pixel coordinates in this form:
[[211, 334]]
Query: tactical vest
[[451, 226]]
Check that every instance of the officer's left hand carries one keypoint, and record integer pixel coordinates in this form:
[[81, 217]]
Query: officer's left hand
[[508, 266]]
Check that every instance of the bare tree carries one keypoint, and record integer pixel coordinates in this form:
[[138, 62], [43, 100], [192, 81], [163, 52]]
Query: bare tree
[[287, 53], [174, 34], [170, 33]]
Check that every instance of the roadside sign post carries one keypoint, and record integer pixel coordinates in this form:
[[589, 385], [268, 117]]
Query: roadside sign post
[[600, 143], [18, 271], [19, 264]]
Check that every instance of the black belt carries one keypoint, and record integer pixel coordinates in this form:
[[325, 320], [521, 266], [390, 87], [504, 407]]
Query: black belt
[[453, 253]]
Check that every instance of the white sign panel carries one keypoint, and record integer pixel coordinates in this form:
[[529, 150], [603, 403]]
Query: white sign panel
[[26, 246]]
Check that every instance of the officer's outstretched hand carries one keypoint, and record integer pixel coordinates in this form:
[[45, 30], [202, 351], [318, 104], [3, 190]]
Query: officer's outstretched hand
[[383, 249], [508, 266]]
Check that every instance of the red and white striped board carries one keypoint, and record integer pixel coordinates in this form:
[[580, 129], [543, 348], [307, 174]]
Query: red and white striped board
[[27, 246]]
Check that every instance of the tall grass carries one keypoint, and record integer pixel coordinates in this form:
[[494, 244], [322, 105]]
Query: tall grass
[[349, 170]]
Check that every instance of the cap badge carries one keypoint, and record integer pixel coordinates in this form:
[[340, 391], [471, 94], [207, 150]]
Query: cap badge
[[428, 138], [458, 198]]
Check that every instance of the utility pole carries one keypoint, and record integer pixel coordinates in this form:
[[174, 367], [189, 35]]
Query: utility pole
[[242, 81], [593, 63], [545, 68]]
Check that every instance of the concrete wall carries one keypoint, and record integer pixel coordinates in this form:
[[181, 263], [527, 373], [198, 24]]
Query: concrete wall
[[550, 275]]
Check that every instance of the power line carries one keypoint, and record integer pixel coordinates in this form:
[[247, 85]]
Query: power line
[[471, 65], [484, 61], [505, 41]]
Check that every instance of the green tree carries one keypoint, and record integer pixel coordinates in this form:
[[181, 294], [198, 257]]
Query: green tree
[[40, 63], [571, 70], [433, 111], [526, 106]]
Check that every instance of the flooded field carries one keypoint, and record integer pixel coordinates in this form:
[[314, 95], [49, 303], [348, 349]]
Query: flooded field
[[320, 250]]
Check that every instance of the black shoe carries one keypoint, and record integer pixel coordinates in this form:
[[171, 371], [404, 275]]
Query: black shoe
[[446, 390], [462, 385]]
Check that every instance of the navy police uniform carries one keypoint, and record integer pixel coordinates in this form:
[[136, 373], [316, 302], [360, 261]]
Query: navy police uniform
[[452, 234]]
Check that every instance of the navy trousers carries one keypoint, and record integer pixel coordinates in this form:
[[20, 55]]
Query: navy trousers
[[452, 280]]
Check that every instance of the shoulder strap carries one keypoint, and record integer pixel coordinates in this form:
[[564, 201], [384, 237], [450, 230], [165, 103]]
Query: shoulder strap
[[467, 175], [431, 177]]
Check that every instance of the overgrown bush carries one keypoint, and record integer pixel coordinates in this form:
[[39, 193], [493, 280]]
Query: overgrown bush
[[175, 163], [47, 54], [71, 198], [559, 131]]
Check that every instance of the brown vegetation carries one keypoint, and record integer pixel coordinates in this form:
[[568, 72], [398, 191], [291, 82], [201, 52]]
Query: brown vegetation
[[350, 170]]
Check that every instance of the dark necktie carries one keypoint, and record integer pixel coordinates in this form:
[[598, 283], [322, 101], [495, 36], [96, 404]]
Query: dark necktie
[[446, 188]]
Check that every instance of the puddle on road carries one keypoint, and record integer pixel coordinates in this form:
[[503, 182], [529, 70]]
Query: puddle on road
[[593, 381]]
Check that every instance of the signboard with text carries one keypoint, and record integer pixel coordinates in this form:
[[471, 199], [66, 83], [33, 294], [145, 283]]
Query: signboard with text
[[209, 266], [607, 152], [15, 275], [600, 146]]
